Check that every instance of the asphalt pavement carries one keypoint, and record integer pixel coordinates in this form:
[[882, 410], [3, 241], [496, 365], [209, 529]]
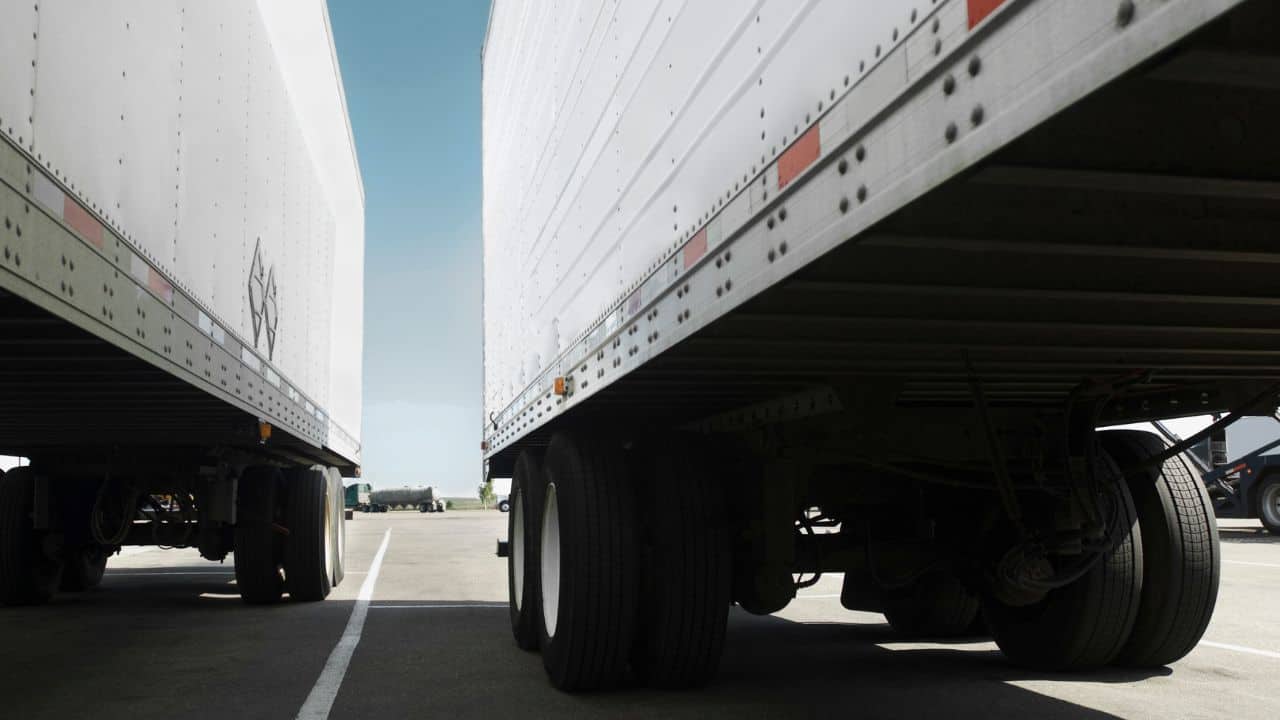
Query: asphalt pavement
[[166, 636]]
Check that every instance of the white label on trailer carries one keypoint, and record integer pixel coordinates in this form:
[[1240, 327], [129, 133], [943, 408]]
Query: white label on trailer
[[248, 358]]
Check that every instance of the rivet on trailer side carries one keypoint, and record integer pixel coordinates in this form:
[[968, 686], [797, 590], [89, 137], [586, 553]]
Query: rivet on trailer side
[[849, 287]]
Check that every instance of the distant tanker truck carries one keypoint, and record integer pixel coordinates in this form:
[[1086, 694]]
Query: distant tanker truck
[[424, 499]]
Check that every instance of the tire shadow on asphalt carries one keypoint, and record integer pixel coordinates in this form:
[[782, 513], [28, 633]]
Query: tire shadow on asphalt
[[772, 667]]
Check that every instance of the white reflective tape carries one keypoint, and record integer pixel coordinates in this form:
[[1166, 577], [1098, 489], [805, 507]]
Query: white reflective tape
[[139, 269], [205, 323], [250, 359], [272, 377], [49, 194]]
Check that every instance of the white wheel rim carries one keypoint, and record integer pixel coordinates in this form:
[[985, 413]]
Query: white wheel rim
[[1271, 505], [341, 534], [328, 535], [517, 551], [550, 561]]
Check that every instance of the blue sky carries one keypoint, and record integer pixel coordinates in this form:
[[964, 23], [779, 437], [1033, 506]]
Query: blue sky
[[412, 76]]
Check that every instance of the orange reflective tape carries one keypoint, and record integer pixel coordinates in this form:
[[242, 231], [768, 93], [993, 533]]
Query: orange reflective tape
[[695, 248], [980, 9], [82, 222], [799, 156], [159, 285]]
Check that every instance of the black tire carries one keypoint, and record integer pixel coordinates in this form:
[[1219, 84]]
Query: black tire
[[935, 605], [424, 508], [1268, 501], [308, 549], [1181, 559], [257, 543], [27, 575], [1083, 625], [522, 560], [686, 570], [504, 506], [84, 568], [587, 564]]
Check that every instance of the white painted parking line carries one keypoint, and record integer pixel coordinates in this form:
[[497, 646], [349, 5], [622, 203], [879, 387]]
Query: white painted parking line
[[1254, 564], [320, 700], [135, 550], [1242, 649], [434, 606]]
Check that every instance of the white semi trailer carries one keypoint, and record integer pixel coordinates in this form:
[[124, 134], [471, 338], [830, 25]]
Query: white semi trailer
[[882, 267], [180, 281]]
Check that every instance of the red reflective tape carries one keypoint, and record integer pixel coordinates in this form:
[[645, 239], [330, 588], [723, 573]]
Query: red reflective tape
[[980, 9], [159, 285], [633, 303], [799, 156], [695, 248], [82, 222]]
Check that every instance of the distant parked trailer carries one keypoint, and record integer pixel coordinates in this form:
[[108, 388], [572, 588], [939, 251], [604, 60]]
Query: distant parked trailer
[[180, 293]]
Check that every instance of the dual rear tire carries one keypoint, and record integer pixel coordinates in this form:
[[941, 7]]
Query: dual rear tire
[[601, 588], [290, 534], [1146, 602]]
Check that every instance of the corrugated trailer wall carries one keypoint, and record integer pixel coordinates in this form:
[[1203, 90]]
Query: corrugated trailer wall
[[646, 115], [173, 120]]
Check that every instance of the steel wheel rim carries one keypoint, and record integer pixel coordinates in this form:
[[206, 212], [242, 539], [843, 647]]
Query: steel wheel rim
[[550, 561], [517, 550], [328, 535], [342, 541], [1271, 505]]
